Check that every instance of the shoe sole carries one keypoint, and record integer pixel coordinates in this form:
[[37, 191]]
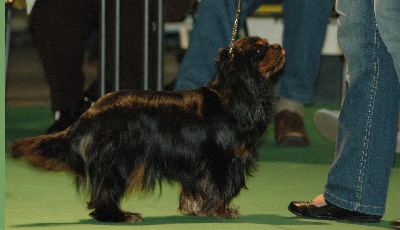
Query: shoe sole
[[359, 219], [326, 122]]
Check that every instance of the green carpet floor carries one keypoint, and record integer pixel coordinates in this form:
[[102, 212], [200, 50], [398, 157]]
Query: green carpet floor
[[36, 199]]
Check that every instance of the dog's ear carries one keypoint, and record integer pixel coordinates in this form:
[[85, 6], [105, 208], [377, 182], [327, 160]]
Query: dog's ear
[[223, 56], [224, 61]]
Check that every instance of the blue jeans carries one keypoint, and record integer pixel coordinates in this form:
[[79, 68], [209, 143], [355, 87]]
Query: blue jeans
[[358, 179], [387, 16], [212, 30], [304, 34]]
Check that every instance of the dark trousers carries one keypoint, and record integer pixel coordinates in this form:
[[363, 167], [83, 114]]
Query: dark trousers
[[61, 29]]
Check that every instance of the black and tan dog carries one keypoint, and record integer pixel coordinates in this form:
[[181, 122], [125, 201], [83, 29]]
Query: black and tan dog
[[205, 138]]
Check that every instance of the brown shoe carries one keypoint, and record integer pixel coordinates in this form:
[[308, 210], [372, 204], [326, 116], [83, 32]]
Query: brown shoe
[[290, 131]]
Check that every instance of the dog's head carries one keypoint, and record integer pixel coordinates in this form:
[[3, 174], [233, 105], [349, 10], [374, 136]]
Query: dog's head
[[255, 52]]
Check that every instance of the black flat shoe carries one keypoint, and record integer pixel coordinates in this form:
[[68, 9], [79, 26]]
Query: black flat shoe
[[67, 117], [395, 224], [329, 212]]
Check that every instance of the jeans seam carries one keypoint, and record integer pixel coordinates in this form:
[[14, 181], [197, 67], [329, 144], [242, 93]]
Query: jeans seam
[[370, 113], [356, 206]]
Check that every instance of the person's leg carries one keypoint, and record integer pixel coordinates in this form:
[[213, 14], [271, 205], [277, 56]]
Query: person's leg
[[212, 30], [131, 40], [60, 30], [303, 38], [387, 16], [359, 177]]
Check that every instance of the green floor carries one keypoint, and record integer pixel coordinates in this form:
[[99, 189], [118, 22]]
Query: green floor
[[36, 199]]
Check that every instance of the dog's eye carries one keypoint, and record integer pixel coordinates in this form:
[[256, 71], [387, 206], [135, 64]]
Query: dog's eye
[[260, 51]]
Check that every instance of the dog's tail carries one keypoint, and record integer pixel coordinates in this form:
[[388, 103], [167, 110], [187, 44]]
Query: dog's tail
[[50, 152]]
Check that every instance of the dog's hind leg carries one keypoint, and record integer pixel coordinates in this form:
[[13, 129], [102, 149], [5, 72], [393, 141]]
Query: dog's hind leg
[[112, 213], [106, 195]]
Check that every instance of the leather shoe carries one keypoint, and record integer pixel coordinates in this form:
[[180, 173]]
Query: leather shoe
[[289, 130], [395, 224], [329, 212], [69, 116]]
